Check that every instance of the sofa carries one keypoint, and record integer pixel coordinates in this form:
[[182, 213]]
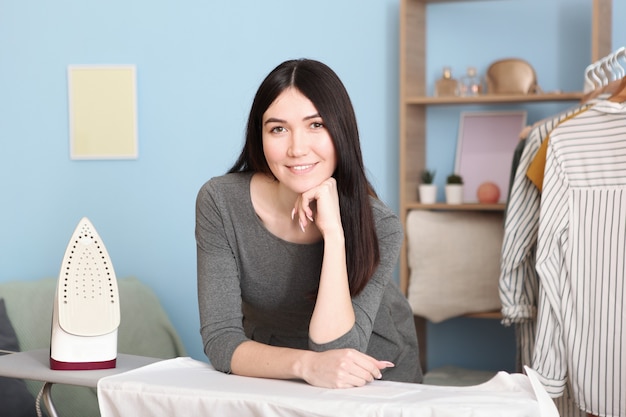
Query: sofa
[[25, 324]]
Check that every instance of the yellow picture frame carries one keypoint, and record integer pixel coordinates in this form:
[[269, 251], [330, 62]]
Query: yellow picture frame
[[102, 112]]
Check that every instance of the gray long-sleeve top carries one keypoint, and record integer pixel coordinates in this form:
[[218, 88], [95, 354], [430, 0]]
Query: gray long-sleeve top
[[253, 285]]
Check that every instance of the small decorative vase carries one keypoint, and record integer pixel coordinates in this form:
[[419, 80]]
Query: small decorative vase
[[454, 193], [428, 193]]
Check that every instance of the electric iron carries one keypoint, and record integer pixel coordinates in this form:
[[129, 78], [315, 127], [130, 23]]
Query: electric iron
[[86, 311]]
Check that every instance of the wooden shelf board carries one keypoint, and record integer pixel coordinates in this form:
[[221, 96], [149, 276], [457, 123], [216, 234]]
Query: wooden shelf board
[[457, 207], [492, 315], [485, 315], [495, 99], [447, 1]]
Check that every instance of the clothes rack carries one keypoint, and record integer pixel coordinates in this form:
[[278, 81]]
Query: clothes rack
[[569, 159]]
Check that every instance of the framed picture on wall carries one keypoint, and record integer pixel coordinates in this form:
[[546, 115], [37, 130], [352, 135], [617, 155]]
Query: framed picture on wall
[[103, 111], [485, 148]]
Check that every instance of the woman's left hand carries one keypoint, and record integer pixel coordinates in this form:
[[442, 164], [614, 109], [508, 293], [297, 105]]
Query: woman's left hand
[[320, 204]]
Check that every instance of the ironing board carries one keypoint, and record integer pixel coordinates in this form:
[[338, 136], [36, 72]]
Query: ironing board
[[35, 365], [187, 387]]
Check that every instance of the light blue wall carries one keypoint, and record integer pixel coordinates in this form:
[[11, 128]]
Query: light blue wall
[[198, 66]]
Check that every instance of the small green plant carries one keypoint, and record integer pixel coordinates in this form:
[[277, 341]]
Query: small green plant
[[454, 179], [427, 176]]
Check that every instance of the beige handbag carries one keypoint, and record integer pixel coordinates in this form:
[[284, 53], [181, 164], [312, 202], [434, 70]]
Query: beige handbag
[[511, 76]]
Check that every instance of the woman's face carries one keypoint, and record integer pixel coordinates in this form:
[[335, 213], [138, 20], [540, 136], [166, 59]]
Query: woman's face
[[298, 149]]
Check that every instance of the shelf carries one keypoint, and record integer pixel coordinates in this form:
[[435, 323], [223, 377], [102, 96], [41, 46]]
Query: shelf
[[495, 99], [485, 315], [414, 102], [445, 1], [456, 207], [414, 105]]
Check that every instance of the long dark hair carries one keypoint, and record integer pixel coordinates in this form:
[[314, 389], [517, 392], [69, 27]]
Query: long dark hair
[[323, 87]]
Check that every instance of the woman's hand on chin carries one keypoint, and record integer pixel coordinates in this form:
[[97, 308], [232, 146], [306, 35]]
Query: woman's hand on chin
[[320, 205], [341, 368]]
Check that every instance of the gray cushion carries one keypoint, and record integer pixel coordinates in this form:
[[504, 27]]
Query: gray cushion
[[15, 398]]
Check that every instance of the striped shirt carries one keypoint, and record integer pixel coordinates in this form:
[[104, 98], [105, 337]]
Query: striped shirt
[[581, 261], [519, 283]]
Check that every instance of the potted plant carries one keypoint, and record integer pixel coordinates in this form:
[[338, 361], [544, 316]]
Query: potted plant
[[454, 189], [427, 189]]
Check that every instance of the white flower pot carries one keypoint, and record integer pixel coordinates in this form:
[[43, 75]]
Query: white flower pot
[[428, 193], [454, 193]]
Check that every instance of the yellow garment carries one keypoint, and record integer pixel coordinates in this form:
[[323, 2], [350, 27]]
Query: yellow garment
[[537, 165]]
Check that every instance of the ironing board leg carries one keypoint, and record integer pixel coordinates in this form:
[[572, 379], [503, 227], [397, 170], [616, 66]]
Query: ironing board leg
[[47, 399]]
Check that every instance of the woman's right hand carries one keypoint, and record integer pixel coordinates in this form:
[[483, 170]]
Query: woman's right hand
[[341, 368]]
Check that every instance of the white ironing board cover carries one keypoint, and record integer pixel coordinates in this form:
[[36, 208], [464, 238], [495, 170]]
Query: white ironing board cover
[[187, 387]]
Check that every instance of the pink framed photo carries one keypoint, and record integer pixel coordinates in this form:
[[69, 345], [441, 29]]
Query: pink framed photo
[[485, 148]]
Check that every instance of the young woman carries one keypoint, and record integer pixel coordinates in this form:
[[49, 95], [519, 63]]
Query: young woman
[[295, 251]]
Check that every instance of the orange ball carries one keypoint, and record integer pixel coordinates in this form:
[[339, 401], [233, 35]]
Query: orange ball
[[488, 193]]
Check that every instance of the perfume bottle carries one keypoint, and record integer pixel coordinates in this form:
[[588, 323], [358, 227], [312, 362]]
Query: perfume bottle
[[469, 85], [446, 85]]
